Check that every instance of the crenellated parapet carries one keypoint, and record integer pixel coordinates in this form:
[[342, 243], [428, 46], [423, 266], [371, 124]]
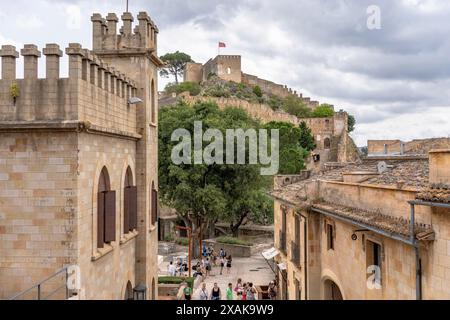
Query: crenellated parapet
[[106, 36], [92, 91]]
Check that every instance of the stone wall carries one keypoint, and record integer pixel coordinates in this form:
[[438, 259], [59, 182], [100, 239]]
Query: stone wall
[[38, 211], [193, 72]]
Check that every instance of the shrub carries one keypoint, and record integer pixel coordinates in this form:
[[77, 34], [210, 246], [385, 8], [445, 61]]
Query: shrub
[[323, 111], [231, 240], [257, 91], [176, 280], [169, 238], [296, 107], [191, 87], [182, 241]]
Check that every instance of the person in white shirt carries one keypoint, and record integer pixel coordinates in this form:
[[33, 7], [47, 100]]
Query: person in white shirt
[[172, 269], [203, 292]]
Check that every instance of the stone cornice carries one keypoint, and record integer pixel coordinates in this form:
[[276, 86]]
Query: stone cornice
[[66, 126]]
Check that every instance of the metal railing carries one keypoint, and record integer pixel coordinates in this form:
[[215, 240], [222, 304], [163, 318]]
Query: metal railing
[[283, 241], [295, 253], [55, 290]]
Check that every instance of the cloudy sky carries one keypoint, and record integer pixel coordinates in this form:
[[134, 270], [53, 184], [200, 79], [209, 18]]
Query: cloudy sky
[[395, 80]]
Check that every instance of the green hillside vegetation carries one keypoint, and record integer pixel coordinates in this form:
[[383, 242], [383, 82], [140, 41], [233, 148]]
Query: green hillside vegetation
[[218, 88]]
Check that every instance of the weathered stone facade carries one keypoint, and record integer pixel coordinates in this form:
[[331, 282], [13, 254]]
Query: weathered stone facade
[[58, 136], [337, 228]]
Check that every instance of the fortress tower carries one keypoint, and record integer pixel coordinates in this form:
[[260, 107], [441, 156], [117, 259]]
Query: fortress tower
[[78, 166]]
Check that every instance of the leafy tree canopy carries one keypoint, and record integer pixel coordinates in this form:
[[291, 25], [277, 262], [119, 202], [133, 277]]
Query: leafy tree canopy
[[296, 107], [323, 111], [306, 137], [351, 123], [292, 154], [193, 88], [203, 194], [175, 63]]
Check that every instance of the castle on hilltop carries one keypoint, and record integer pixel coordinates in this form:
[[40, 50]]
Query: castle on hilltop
[[78, 167], [229, 68]]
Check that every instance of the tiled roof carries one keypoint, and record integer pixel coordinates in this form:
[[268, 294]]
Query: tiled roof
[[400, 174], [408, 173], [435, 193], [391, 224]]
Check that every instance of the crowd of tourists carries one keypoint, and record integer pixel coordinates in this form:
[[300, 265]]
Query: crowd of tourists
[[220, 262]]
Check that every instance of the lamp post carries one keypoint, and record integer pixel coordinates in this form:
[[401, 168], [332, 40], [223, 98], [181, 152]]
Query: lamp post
[[189, 230]]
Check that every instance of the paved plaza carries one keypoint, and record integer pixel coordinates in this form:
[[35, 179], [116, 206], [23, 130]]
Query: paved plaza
[[254, 269]]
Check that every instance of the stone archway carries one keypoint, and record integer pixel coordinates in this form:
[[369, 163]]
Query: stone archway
[[332, 291]]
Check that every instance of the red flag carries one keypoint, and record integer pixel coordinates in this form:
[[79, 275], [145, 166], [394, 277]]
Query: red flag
[[222, 45]]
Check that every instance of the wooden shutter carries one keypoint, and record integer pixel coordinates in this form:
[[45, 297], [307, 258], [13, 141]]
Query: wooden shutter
[[100, 220], [110, 216], [126, 211], [132, 208], [154, 206]]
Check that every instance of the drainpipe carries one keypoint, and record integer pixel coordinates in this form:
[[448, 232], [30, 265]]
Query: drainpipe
[[305, 253], [306, 257], [417, 253]]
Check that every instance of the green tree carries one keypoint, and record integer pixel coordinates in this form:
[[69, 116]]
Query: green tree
[[193, 88], [296, 107], [292, 154], [306, 137], [175, 64], [323, 111], [250, 205], [351, 123], [203, 194], [257, 91]]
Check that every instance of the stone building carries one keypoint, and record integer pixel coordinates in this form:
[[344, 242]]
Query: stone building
[[78, 165], [229, 68], [376, 229]]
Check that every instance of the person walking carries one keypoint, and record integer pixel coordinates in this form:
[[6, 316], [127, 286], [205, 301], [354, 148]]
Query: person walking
[[238, 285], [216, 294], [203, 292], [272, 291], [208, 267], [244, 291], [222, 265], [251, 292], [230, 292], [187, 293], [229, 263], [172, 269]]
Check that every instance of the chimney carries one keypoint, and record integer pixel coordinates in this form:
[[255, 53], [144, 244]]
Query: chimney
[[439, 166]]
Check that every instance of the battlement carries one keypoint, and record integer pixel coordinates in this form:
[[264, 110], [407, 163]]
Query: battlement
[[93, 91], [106, 36], [228, 56]]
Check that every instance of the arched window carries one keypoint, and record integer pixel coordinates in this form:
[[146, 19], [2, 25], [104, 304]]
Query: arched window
[[154, 207], [106, 211], [327, 143], [129, 291], [129, 203], [228, 70], [153, 101]]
